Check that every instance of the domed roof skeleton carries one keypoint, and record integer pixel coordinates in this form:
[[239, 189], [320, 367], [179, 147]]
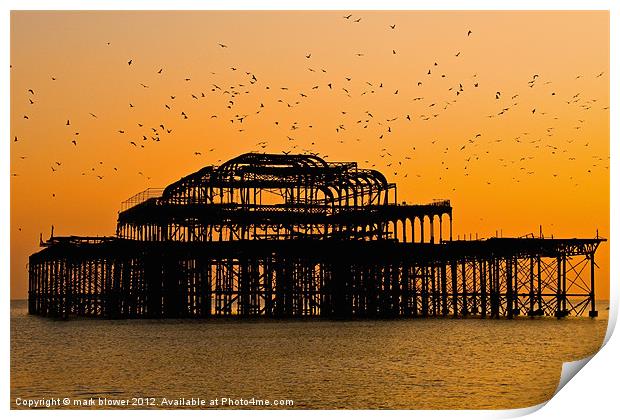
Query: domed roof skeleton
[[338, 181]]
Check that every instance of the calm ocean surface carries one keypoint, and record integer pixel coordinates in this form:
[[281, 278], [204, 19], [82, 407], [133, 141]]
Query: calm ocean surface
[[404, 364]]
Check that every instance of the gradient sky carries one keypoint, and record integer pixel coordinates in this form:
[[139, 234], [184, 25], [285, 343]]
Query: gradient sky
[[524, 143]]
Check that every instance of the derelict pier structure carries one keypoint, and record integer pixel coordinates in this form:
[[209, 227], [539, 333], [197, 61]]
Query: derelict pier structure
[[293, 236]]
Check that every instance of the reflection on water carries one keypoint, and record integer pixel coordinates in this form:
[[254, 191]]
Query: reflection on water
[[406, 364]]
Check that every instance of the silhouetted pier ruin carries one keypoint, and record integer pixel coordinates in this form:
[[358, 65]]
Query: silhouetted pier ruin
[[294, 236]]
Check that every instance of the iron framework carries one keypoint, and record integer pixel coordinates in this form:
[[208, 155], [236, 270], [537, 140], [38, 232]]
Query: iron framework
[[293, 236]]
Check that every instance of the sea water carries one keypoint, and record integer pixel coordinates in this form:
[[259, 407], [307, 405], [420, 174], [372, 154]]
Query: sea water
[[319, 364]]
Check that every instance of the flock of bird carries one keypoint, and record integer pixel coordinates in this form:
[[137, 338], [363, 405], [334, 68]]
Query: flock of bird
[[376, 126]]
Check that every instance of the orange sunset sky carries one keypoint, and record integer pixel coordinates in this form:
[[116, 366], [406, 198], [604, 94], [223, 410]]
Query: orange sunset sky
[[511, 124]]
